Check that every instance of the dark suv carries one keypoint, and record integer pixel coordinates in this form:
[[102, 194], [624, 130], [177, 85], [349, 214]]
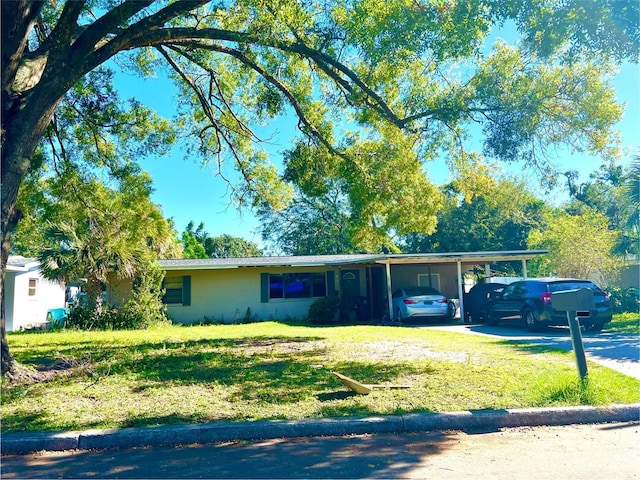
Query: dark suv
[[530, 301]]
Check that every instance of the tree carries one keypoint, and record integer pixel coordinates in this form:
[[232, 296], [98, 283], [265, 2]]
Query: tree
[[310, 225], [193, 241], [99, 232], [610, 190], [579, 246], [481, 212], [228, 246], [631, 230], [373, 64], [198, 244]]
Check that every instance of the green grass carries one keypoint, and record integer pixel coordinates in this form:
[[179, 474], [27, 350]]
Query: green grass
[[273, 370], [625, 323]]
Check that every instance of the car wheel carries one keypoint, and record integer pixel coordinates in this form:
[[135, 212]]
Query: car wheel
[[530, 320], [398, 316], [475, 317], [451, 310]]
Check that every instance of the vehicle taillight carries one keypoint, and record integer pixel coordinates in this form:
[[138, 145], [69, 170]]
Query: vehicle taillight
[[546, 298], [408, 301], [606, 298], [443, 300]]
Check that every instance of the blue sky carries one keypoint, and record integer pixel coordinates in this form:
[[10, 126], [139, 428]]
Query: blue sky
[[188, 191]]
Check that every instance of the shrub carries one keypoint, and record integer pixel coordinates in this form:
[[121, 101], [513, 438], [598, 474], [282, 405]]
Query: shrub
[[143, 309], [623, 299], [324, 311]]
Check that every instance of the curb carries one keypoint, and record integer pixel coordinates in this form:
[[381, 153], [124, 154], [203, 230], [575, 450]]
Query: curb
[[473, 421]]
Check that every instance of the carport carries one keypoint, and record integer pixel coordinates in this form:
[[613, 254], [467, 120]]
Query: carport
[[461, 260]]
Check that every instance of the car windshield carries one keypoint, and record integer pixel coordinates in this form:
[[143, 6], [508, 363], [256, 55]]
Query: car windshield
[[418, 291], [571, 285]]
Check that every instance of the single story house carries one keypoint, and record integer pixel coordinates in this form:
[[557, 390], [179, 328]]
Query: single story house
[[228, 289], [28, 296]]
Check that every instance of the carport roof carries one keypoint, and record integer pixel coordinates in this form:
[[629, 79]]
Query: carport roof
[[338, 260]]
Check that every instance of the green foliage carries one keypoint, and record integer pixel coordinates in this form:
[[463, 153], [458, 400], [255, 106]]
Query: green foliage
[[144, 308], [481, 213], [579, 246], [624, 299], [311, 225], [227, 246], [325, 311], [198, 244], [611, 190], [91, 231]]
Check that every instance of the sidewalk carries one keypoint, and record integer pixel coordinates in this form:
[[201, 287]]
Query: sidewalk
[[467, 421]]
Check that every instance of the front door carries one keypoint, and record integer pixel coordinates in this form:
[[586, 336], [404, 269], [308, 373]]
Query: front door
[[350, 281]]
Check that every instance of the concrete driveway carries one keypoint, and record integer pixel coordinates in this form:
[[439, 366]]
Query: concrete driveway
[[616, 351]]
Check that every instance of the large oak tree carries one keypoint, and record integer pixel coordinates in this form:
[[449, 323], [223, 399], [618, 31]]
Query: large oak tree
[[381, 67]]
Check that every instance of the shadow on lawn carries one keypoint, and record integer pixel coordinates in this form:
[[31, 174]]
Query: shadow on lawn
[[258, 371]]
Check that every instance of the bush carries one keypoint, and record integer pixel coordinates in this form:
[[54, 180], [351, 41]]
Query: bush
[[143, 309], [623, 299], [324, 311]]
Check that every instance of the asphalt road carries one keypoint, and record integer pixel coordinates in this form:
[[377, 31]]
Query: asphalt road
[[616, 351], [593, 452]]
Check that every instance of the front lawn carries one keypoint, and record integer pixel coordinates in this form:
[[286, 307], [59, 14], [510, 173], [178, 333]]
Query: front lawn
[[274, 370]]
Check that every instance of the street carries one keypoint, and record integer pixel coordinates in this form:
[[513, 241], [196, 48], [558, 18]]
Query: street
[[581, 452]]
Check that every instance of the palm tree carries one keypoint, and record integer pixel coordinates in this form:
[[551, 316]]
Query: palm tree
[[87, 250], [629, 239]]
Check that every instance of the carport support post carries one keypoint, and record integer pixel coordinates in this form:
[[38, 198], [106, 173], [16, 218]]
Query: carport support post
[[389, 292], [578, 346], [460, 290]]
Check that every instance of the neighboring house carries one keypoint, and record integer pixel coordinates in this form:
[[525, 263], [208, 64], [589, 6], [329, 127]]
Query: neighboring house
[[629, 275], [28, 296], [227, 289]]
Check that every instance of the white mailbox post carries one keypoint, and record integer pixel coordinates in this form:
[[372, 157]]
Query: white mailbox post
[[577, 304]]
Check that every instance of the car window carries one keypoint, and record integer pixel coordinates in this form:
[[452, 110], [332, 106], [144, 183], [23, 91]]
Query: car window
[[573, 285], [509, 290], [416, 291], [536, 288]]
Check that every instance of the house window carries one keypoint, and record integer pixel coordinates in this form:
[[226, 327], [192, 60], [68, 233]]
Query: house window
[[297, 285], [33, 287], [433, 280], [177, 290]]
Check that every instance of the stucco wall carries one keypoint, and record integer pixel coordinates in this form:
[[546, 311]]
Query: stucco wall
[[407, 275], [224, 296]]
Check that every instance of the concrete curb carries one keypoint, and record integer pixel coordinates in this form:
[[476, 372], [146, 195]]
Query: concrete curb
[[484, 420]]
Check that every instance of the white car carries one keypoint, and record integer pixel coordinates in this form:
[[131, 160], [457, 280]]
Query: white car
[[421, 302]]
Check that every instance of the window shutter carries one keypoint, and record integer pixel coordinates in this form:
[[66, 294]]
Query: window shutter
[[331, 284], [186, 290], [264, 288]]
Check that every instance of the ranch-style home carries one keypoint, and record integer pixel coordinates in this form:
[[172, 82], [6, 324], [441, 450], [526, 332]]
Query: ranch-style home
[[28, 296], [228, 289]]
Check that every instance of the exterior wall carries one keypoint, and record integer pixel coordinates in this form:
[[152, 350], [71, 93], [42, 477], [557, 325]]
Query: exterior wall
[[407, 276], [225, 295], [22, 310]]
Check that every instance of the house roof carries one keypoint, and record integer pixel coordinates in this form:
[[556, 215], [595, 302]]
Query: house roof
[[18, 263], [338, 260]]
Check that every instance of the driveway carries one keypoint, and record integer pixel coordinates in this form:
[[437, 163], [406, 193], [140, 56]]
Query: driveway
[[616, 351]]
